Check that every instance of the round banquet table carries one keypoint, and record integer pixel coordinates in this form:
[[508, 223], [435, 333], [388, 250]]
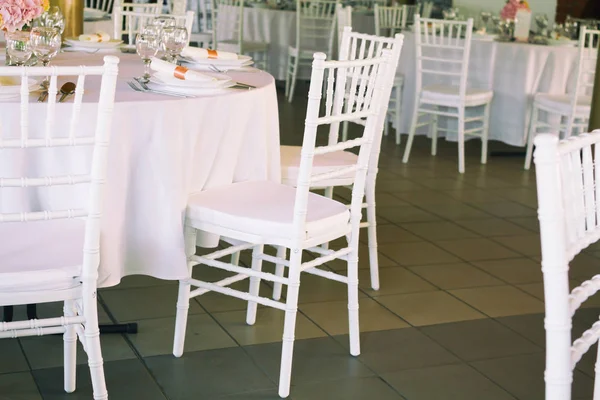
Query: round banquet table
[[162, 150]]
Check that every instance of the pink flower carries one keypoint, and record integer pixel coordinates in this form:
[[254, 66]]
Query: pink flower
[[510, 9], [16, 13]]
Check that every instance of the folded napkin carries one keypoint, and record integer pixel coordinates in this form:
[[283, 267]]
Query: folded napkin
[[178, 71], [97, 37], [196, 53]]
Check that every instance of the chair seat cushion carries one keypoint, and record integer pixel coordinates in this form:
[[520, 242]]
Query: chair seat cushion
[[447, 95], [41, 255], [265, 209], [561, 103], [233, 46], [322, 163]]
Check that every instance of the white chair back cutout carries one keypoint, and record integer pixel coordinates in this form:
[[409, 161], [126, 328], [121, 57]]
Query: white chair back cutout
[[315, 24], [205, 8], [567, 174], [130, 23], [427, 9], [225, 12], [101, 5], [390, 20], [176, 7], [344, 19], [441, 52]]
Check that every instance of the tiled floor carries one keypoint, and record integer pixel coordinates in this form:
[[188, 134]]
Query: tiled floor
[[458, 316]]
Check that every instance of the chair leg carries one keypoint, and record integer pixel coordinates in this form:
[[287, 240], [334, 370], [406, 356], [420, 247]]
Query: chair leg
[[344, 131], [183, 298], [386, 125], [92, 344], [289, 328], [530, 135], [287, 76], [329, 195], [279, 268], [485, 134], [70, 349], [398, 113], [372, 232], [294, 75], [461, 140], [254, 284], [411, 133], [353, 315], [433, 130]]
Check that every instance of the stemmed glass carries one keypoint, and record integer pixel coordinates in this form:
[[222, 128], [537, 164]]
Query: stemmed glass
[[146, 45], [485, 19], [174, 39], [53, 18], [164, 21], [18, 47], [45, 44]]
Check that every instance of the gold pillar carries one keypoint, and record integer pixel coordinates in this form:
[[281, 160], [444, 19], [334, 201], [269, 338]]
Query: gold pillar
[[595, 113], [73, 12]]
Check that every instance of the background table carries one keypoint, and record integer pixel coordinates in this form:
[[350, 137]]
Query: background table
[[162, 150]]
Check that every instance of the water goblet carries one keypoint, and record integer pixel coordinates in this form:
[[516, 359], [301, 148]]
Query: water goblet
[[164, 21], [146, 45], [18, 47], [174, 39], [485, 19], [45, 43], [53, 18]]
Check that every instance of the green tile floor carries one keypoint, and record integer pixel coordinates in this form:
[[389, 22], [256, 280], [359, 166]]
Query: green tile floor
[[458, 316]]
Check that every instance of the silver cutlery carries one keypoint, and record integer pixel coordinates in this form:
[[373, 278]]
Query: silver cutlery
[[247, 69], [66, 90], [44, 94], [140, 87]]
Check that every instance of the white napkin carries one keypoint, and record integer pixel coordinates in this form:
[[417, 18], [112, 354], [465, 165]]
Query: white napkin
[[97, 37], [178, 71], [197, 53]]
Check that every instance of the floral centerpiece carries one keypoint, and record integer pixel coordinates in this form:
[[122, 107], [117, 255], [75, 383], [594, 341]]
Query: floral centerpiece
[[509, 12], [15, 14]]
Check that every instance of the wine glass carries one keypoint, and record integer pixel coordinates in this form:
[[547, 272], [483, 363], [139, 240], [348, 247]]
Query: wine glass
[[174, 39], [164, 21], [146, 45], [45, 44], [485, 19], [18, 47], [53, 18]]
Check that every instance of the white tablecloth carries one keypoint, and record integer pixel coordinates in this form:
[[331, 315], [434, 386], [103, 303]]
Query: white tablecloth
[[162, 150]]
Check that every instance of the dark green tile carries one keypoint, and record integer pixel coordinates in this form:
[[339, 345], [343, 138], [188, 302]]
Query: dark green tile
[[348, 389], [530, 326], [452, 382], [480, 339], [12, 358], [18, 386], [125, 380], [207, 374]]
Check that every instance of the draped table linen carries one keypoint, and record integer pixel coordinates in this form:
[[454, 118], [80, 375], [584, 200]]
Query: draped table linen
[[162, 150]]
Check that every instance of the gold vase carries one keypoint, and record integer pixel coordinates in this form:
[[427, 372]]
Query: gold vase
[[73, 12]]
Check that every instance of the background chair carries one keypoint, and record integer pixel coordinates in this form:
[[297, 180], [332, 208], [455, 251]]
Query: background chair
[[177, 7], [268, 213], [355, 46], [127, 24], [235, 43], [100, 5], [344, 19], [427, 9], [315, 32], [52, 253], [204, 37], [568, 113], [443, 56], [568, 196]]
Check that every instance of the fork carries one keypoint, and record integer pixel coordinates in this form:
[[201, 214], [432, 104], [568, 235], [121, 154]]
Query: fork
[[214, 68], [143, 88]]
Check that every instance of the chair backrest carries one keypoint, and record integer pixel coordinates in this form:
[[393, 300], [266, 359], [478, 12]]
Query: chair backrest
[[177, 7], [392, 19], [344, 19], [133, 22], [427, 9], [360, 46], [369, 3], [442, 53], [222, 9], [205, 8], [589, 41], [567, 174], [102, 5], [47, 132], [315, 24], [369, 80]]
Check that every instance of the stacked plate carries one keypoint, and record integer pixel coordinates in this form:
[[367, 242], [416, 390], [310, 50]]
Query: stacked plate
[[10, 87], [214, 83], [75, 44], [211, 64], [90, 14]]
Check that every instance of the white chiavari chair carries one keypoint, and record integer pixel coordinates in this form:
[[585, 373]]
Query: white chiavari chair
[[443, 55], [204, 37], [344, 18], [100, 5], [369, 3], [268, 213], [567, 174], [355, 46], [235, 43], [427, 9], [52, 252], [388, 21], [568, 113], [315, 32], [177, 7], [127, 24]]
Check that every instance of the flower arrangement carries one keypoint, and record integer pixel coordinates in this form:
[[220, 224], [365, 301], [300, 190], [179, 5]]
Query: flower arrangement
[[509, 11], [14, 14]]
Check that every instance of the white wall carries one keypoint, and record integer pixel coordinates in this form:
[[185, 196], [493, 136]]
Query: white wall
[[472, 7]]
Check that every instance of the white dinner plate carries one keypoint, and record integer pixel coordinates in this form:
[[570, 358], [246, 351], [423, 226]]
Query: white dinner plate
[[75, 42], [219, 81], [190, 89], [90, 13], [10, 86], [242, 61]]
